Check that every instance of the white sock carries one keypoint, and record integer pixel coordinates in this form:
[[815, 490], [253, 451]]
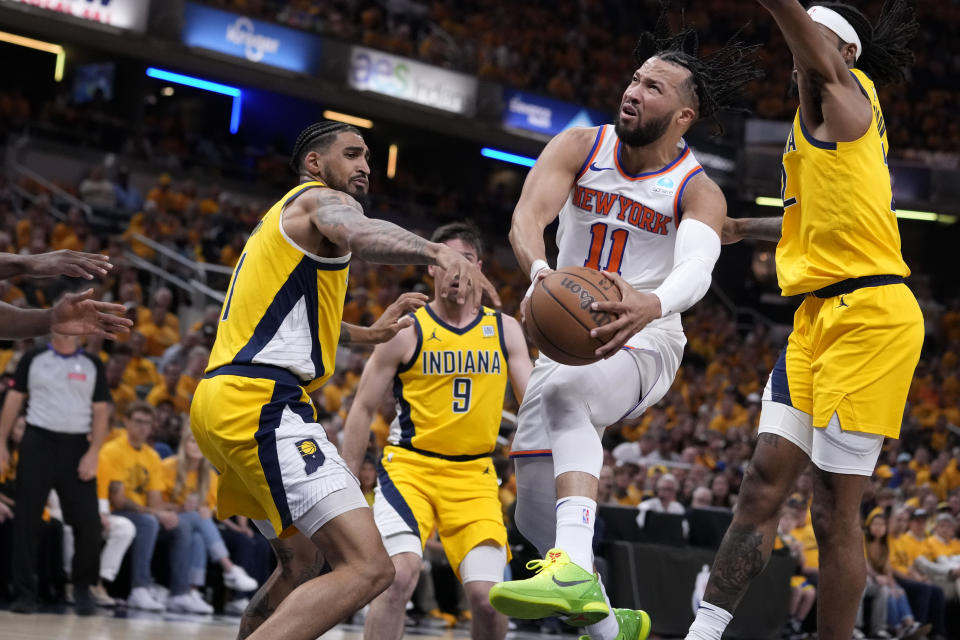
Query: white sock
[[710, 623], [608, 628], [575, 516]]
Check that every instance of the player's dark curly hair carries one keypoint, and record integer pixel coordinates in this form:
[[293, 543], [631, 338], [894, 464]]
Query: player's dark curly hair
[[316, 137], [716, 79], [885, 56], [465, 231]]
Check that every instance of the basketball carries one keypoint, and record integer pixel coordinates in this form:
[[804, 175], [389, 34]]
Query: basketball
[[559, 318]]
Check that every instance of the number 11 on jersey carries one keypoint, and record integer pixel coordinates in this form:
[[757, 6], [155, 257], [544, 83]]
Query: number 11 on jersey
[[598, 240]]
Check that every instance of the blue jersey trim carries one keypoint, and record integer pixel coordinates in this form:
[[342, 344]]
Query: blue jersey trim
[[459, 331], [683, 185], [819, 144], [593, 150], [395, 499], [779, 384]]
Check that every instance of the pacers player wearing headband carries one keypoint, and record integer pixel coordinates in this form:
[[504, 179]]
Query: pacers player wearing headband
[[252, 414], [632, 200], [448, 373], [841, 384]]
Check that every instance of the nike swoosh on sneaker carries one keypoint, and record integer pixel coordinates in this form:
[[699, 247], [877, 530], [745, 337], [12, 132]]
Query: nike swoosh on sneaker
[[569, 583], [594, 167]]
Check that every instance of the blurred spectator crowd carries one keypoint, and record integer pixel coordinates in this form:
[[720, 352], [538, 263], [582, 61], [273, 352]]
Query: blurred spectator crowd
[[581, 50]]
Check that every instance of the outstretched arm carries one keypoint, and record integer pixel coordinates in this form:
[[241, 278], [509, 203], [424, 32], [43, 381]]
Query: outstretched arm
[[519, 366], [737, 229], [341, 220], [54, 263]]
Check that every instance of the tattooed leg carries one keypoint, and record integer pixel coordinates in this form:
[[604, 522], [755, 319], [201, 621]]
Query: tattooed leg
[[748, 542], [298, 560]]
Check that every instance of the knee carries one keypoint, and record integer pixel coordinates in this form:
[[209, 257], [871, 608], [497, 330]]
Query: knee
[[404, 581], [375, 574], [761, 495], [122, 529], [147, 524], [561, 394], [833, 529], [480, 607]]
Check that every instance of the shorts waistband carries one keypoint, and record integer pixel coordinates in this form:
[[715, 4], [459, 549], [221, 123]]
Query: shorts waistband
[[442, 456], [270, 372], [852, 284]]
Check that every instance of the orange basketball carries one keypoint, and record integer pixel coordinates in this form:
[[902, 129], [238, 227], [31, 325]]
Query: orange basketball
[[559, 317]]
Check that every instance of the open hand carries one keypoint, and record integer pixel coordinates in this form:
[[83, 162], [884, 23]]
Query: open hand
[[77, 314], [395, 317], [634, 311], [471, 283], [68, 263]]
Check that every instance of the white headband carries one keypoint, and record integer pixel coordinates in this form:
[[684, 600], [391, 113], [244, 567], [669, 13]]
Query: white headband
[[838, 24]]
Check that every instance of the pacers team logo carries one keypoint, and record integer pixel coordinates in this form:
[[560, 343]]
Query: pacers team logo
[[312, 456]]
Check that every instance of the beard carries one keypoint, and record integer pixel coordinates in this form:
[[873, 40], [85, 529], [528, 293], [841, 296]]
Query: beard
[[358, 194], [644, 133]]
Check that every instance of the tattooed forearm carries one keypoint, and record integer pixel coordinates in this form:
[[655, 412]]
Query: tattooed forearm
[[346, 336], [768, 229], [340, 219], [738, 561]]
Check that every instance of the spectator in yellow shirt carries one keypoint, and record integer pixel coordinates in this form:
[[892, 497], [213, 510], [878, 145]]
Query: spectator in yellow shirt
[[122, 394], [168, 390], [197, 360], [162, 299], [190, 484], [130, 476], [803, 533], [942, 549], [140, 371], [157, 330]]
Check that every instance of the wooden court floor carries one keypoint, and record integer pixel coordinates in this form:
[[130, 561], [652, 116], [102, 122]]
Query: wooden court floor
[[143, 626]]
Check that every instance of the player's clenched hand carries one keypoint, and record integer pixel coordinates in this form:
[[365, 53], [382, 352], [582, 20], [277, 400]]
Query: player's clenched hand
[[471, 283], [68, 263], [634, 311], [395, 317], [76, 314]]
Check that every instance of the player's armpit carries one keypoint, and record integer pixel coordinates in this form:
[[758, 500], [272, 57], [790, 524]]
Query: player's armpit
[[545, 190]]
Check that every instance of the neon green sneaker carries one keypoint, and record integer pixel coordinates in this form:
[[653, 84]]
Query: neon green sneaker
[[560, 588], [634, 624]]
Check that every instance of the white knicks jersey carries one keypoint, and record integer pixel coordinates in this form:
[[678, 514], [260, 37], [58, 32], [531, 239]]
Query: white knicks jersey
[[616, 221]]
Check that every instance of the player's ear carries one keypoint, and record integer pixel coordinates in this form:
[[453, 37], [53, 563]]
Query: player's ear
[[311, 163], [431, 270], [686, 116], [849, 52]]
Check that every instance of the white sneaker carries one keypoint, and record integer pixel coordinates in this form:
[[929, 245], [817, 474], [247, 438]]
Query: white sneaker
[[236, 607], [187, 603], [140, 598], [238, 580], [159, 593]]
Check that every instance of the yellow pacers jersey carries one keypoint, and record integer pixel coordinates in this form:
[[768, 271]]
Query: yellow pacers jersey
[[450, 393], [284, 305], [838, 218]]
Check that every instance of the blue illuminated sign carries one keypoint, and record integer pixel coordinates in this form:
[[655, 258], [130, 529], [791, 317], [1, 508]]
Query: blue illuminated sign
[[205, 85], [530, 112], [503, 156], [253, 40]]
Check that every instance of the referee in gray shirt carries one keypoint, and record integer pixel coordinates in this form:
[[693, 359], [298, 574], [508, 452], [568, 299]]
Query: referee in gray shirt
[[68, 411]]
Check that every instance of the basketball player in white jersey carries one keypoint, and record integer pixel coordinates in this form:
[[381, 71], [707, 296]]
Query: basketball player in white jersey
[[633, 202]]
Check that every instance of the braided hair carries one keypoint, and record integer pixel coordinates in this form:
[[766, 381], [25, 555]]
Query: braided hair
[[317, 137], [715, 79], [885, 56]]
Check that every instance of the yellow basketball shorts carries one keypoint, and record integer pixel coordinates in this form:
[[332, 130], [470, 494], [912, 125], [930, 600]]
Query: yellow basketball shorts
[[257, 426], [853, 355], [416, 493]]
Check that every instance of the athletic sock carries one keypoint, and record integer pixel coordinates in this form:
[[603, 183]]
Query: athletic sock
[[575, 516], [710, 623], [608, 628]]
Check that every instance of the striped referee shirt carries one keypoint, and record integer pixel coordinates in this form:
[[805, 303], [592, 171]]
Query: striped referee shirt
[[61, 389]]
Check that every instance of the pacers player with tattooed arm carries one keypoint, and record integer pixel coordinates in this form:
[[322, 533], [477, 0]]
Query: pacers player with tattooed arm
[[840, 386], [252, 414], [449, 373], [633, 201]]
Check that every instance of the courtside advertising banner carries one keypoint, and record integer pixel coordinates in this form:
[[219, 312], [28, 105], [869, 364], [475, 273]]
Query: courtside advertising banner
[[253, 40], [405, 79], [527, 112], [123, 14]]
